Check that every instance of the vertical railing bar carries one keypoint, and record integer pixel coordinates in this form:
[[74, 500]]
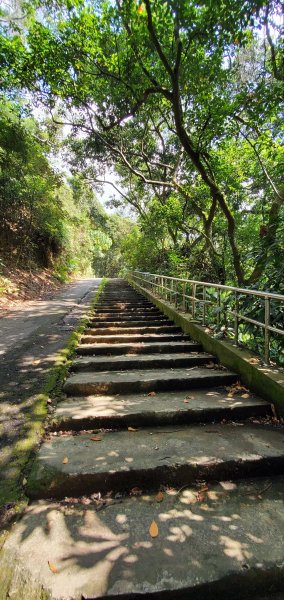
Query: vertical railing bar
[[266, 330], [193, 299], [236, 318], [183, 297], [204, 306], [218, 308]]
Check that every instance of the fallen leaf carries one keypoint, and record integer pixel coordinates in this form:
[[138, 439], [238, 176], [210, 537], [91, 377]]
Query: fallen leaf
[[204, 488], [95, 439], [65, 460], [245, 396], [152, 394], [159, 497], [132, 429], [200, 497], [253, 361], [153, 529], [210, 365], [186, 401], [52, 567], [25, 481], [135, 491], [189, 397]]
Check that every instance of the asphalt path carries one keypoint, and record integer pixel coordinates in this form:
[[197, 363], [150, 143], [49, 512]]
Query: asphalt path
[[30, 339]]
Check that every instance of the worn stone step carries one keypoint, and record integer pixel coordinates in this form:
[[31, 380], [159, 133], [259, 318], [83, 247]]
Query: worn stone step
[[131, 311], [151, 456], [135, 337], [105, 349], [131, 314], [141, 330], [129, 322], [165, 408], [142, 361], [117, 303], [116, 382], [229, 544]]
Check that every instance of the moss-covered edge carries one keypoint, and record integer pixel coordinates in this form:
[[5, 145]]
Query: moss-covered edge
[[12, 497], [265, 381]]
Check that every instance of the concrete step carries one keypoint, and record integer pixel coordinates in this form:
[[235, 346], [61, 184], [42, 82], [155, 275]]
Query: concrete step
[[165, 408], [129, 322], [142, 361], [116, 382], [137, 348], [134, 304], [130, 311], [141, 329], [149, 457], [135, 337], [229, 544]]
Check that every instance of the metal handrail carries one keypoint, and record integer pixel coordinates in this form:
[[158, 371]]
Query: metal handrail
[[174, 290]]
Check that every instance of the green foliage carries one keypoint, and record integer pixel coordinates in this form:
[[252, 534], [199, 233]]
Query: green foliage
[[44, 221], [183, 101]]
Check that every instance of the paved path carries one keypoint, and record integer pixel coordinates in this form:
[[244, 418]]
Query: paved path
[[159, 477], [30, 339]]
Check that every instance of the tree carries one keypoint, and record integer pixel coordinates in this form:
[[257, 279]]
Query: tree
[[133, 78]]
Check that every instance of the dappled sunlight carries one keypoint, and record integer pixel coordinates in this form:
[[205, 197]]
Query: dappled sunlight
[[235, 549], [102, 550], [179, 533]]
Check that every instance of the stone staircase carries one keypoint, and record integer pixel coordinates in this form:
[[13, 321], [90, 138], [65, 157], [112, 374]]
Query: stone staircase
[[165, 473]]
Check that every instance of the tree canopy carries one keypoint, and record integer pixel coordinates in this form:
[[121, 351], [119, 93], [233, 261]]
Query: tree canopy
[[184, 101]]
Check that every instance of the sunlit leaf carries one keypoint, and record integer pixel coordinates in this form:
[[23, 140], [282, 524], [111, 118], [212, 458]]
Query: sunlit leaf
[[52, 567], [153, 529], [159, 497]]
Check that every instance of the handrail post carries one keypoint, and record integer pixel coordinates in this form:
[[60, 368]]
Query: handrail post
[[266, 330], [236, 318], [193, 299], [183, 297], [204, 306], [218, 308], [172, 289]]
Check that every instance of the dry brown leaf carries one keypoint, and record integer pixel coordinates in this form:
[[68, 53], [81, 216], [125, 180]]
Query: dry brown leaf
[[135, 491], [210, 365], [253, 361], [65, 460], [95, 439], [153, 529], [52, 567], [245, 396], [204, 488], [159, 497], [200, 497], [131, 429], [152, 394]]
